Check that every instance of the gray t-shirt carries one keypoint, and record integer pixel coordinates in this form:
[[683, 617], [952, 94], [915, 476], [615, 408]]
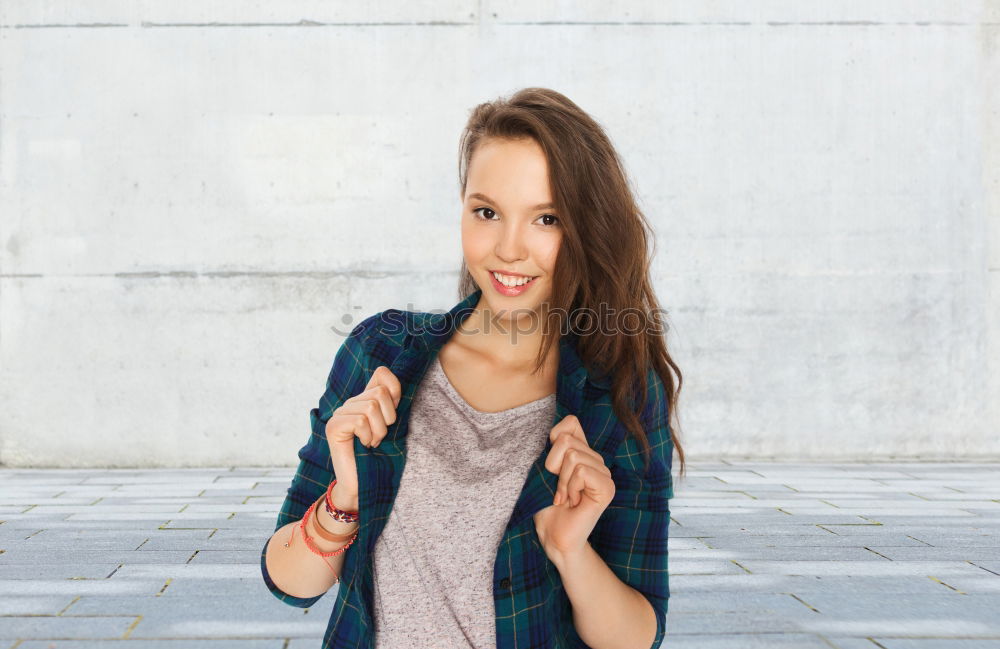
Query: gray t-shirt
[[433, 562]]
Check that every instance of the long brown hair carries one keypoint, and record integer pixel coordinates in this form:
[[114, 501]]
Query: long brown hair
[[604, 255]]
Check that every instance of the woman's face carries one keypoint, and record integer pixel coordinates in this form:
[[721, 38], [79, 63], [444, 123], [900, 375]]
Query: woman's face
[[509, 226]]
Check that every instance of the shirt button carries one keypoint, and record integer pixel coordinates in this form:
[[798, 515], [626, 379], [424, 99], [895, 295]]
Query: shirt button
[[505, 583]]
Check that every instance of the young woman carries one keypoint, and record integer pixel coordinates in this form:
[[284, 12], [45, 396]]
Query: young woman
[[531, 420]]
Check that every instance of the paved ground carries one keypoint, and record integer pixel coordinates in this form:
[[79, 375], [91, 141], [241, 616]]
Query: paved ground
[[843, 556]]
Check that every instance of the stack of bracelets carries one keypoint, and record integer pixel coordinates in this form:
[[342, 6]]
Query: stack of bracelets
[[337, 515]]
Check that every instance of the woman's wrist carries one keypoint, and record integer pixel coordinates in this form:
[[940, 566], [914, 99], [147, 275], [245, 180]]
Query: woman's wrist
[[344, 499]]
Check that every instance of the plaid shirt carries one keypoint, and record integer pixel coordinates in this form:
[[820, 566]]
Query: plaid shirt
[[532, 608]]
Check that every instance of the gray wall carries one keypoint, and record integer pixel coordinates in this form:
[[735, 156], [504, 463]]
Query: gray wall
[[194, 193]]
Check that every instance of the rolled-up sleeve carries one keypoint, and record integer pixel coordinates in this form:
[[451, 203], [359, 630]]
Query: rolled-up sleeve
[[631, 535], [348, 377]]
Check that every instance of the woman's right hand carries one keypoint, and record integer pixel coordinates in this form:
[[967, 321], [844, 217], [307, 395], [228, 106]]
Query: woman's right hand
[[365, 416]]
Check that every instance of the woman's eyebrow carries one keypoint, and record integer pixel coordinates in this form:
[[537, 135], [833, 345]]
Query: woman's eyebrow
[[484, 197]]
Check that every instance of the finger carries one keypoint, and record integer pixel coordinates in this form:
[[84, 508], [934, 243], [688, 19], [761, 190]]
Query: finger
[[384, 376], [568, 424], [585, 479], [571, 433], [343, 425], [574, 458], [371, 409], [379, 394]]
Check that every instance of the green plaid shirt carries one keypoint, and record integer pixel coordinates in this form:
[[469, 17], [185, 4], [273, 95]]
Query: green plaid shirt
[[532, 608]]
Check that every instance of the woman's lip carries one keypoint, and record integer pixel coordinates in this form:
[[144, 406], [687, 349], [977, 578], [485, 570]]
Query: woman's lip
[[509, 274], [509, 291]]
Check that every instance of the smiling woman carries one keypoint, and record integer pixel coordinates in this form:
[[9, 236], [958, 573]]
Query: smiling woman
[[496, 464]]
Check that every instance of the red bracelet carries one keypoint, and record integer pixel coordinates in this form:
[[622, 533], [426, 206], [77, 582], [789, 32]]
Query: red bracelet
[[338, 514]]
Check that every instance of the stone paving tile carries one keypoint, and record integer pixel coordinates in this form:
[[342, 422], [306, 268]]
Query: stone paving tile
[[957, 553], [244, 614], [36, 605], [64, 627], [187, 643], [747, 583], [798, 554], [746, 641], [937, 643]]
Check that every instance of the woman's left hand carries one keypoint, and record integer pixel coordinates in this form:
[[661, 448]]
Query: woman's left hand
[[584, 491]]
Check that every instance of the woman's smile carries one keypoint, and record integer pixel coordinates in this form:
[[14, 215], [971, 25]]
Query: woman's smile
[[509, 286]]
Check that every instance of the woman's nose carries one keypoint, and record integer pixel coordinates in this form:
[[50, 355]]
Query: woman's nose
[[511, 245]]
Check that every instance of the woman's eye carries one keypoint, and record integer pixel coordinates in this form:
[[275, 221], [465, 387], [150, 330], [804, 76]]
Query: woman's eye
[[487, 214]]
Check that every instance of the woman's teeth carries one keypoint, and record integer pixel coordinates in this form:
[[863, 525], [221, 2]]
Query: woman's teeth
[[511, 282]]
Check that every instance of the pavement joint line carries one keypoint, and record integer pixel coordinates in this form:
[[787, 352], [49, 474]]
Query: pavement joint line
[[167, 583], [878, 553], [828, 642], [131, 627], [741, 566], [961, 592], [983, 567], [75, 600], [804, 602]]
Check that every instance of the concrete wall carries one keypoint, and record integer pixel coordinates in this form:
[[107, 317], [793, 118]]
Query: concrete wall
[[194, 194]]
